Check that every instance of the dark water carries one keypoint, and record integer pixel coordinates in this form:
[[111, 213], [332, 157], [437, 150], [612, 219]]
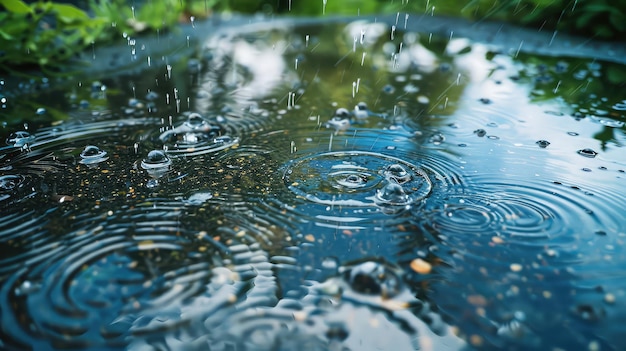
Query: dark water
[[330, 186]]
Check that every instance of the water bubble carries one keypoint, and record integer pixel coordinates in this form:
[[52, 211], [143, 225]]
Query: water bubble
[[356, 179], [587, 153], [480, 132], [437, 138], [41, 111], [157, 164], [9, 182], [155, 159], [352, 180], [338, 123], [396, 173], [20, 139], [392, 194], [93, 155], [485, 101], [373, 278], [543, 143], [195, 136], [361, 111]]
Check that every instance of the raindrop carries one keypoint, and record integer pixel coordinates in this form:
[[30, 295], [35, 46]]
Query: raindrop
[[437, 138], [9, 182], [392, 194], [361, 111], [19, 139], [93, 155], [157, 164], [587, 153], [480, 132], [543, 143], [41, 111], [373, 278], [396, 173]]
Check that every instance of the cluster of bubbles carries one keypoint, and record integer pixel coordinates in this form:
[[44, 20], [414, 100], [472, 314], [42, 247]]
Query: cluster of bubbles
[[357, 179]]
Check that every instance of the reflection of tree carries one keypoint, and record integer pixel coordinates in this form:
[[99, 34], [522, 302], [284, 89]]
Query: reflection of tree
[[607, 135]]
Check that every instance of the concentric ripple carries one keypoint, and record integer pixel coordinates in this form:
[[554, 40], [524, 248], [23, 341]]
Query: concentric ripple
[[357, 179], [91, 285], [197, 136], [347, 311]]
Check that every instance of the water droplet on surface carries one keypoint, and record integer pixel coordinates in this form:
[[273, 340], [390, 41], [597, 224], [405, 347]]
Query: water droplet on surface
[[93, 155], [396, 173], [373, 278], [356, 179], [155, 159], [480, 132], [157, 164], [196, 136], [392, 194], [20, 139], [437, 138], [543, 143], [587, 153], [9, 182]]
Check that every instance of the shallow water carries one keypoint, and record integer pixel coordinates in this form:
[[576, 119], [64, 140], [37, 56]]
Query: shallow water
[[244, 198]]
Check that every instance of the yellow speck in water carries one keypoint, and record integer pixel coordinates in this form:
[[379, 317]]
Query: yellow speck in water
[[145, 245], [476, 340], [546, 294], [299, 316], [309, 238], [497, 240], [202, 248], [420, 266], [609, 298], [516, 267], [594, 346]]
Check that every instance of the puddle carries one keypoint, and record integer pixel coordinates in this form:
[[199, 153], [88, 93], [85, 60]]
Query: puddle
[[348, 184]]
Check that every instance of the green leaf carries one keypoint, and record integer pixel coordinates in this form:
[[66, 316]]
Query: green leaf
[[69, 13], [16, 6]]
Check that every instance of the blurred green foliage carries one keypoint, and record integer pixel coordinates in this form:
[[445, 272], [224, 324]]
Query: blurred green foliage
[[604, 19], [46, 33]]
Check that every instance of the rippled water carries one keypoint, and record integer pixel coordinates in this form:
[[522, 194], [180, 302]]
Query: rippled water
[[318, 186]]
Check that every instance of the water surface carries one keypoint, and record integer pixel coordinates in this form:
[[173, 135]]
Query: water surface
[[352, 184]]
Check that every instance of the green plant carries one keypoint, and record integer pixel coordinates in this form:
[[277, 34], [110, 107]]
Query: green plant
[[44, 33], [597, 18]]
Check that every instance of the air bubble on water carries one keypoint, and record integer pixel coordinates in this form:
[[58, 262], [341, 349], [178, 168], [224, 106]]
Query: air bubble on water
[[361, 111], [437, 138], [41, 111], [20, 139], [373, 278], [27, 287], [92, 155], [9, 182], [397, 173], [392, 194], [543, 143], [572, 133], [587, 152], [157, 164]]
